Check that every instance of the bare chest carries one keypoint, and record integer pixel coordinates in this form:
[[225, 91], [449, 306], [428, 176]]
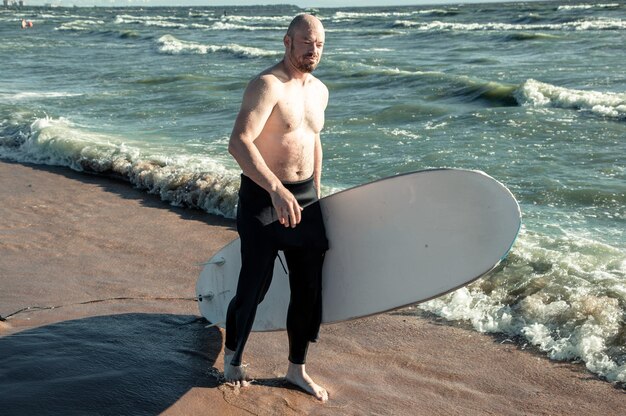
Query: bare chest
[[300, 110]]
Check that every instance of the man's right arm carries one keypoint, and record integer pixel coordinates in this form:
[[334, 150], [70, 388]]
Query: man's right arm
[[256, 107], [258, 103]]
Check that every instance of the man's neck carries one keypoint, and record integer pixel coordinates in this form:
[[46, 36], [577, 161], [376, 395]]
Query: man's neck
[[294, 73]]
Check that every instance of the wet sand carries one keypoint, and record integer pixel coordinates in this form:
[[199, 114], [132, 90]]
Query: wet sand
[[128, 339]]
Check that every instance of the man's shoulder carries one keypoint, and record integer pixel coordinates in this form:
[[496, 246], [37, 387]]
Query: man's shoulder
[[268, 80], [318, 87], [317, 83], [273, 74]]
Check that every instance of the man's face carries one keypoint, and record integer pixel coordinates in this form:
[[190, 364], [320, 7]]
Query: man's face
[[306, 48]]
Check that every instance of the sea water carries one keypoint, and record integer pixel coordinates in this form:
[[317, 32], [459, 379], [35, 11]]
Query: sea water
[[531, 93]]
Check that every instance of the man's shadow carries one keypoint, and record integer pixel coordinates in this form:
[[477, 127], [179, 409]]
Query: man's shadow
[[107, 365]]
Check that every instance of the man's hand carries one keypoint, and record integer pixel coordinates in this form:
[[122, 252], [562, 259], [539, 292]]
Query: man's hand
[[287, 208]]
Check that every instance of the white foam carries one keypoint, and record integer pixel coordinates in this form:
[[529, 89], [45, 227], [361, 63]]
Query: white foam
[[563, 294], [389, 71], [437, 11], [194, 181], [233, 26], [340, 15], [257, 19], [362, 15], [172, 45], [588, 6], [403, 133], [80, 25], [593, 24], [123, 17], [157, 21], [28, 95], [48, 16], [540, 94], [198, 13]]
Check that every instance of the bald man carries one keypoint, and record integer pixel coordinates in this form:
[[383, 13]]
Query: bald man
[[276, 142]]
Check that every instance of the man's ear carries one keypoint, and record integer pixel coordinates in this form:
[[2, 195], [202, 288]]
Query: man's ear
[[287, 41]]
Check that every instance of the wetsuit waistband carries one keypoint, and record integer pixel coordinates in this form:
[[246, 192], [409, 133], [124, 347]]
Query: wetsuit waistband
[[304, 191]]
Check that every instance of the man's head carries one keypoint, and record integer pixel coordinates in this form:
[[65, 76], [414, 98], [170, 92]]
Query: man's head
[[304, 42]]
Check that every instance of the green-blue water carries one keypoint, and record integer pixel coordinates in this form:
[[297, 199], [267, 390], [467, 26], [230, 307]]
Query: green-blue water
[[531, 93]]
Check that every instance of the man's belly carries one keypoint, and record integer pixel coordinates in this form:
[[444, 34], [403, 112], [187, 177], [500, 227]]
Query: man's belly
[[289, 160], [289, 173]]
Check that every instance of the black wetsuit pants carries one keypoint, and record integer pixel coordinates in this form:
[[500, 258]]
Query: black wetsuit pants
[[304, 246]]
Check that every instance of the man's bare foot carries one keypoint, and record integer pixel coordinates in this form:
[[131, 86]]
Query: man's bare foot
[[235, 374], [296, 374]]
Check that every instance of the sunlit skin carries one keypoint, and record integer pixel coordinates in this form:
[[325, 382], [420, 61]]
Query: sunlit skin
[[305, 50], [276, 139]]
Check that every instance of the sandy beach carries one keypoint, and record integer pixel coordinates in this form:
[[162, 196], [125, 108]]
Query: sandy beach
[[125, 336]]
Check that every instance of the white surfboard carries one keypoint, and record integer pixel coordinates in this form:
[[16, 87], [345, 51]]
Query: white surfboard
[[393, 242]]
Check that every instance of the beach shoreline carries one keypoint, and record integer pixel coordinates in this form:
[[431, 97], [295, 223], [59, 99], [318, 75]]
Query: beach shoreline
[[120, 267]]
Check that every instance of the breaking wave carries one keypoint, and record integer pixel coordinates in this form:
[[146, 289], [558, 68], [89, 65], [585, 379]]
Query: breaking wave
[[156, 21], [468, 89], [225, 25], [258, 19], [172, 45], [341, 15], [80, 25], [199, 183], [35, 95], [540, 94], [589, 6], [596, 24], [565, 295]]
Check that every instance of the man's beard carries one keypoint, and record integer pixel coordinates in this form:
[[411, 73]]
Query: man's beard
[[301, 65]]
